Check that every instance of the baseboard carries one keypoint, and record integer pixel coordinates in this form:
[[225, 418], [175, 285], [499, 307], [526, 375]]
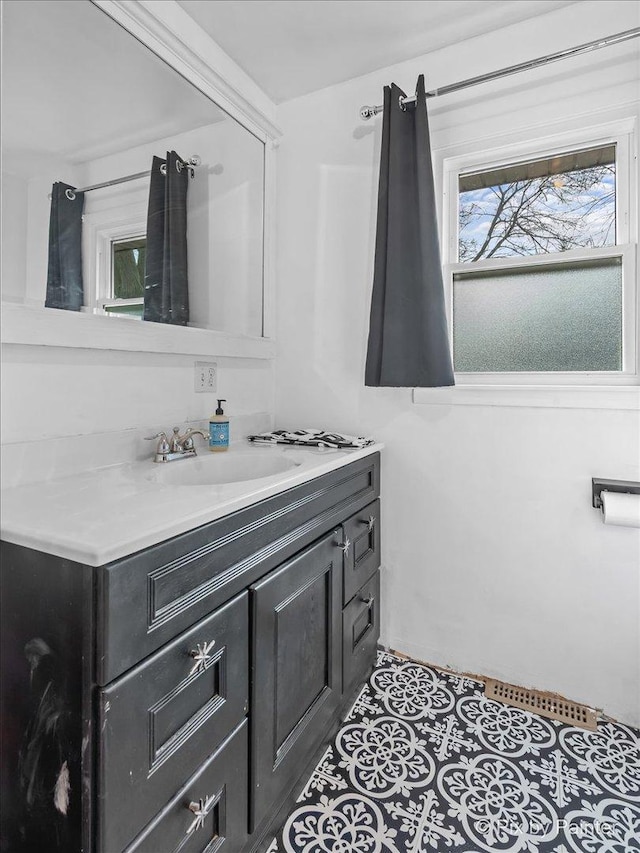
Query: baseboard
[[483, 678]]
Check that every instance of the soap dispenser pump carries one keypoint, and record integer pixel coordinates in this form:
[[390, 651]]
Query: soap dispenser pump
[[219, 429]]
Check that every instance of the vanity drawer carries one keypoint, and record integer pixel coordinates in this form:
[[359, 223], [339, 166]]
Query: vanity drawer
[[220, 789], [160, 720], [360, 632], [362, 531]]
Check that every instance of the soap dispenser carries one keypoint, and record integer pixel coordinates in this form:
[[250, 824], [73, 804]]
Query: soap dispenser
[[219, 429]]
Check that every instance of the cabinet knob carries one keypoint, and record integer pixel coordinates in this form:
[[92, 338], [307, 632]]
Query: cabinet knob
[[201, 656], [368, 601], [200, 809], [344, 547], [370, 522]]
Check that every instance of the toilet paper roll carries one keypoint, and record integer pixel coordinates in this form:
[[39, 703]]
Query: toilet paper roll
[[621, 509]]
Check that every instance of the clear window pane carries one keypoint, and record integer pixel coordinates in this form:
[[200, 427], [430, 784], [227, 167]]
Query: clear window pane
[[551, 205], [550, 318], [128, 268]]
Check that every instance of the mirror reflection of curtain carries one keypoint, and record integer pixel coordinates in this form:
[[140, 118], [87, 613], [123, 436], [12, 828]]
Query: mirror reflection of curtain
[[64, 274], [166, 294]]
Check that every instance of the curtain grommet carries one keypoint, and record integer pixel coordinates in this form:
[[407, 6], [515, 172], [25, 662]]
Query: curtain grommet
[[70, 195], [163, 169]]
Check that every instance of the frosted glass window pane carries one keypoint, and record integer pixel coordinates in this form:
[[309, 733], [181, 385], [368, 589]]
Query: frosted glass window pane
[[539, 319]]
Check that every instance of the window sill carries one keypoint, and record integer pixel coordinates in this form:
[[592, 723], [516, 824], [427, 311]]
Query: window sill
[[621, 397], [38, 326]]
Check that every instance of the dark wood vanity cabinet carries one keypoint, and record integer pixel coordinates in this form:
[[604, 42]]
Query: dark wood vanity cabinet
[[173, 700]]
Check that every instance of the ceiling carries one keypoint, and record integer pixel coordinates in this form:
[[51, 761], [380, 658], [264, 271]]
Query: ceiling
[[292, 47]]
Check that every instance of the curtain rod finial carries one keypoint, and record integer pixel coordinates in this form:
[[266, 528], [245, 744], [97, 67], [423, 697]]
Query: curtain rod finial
[[369, 112]]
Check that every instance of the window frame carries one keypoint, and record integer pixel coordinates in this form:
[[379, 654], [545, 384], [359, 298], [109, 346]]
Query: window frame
[[622, 134]]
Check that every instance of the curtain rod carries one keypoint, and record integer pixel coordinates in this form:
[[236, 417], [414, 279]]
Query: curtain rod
[[368, 112], [191, 163]]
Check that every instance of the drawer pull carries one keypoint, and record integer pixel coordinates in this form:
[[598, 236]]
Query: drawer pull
[[368, 601], [345, 546], [370, 522], [200, 809], [201, 655]]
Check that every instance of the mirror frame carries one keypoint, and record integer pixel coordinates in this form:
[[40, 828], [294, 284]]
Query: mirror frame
[[168, 31]]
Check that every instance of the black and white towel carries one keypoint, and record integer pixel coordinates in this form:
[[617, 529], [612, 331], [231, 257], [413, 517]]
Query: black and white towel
[[311, 438]]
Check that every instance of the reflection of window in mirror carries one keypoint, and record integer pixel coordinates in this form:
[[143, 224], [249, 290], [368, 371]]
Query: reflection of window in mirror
[[114, 219], [126, 284]]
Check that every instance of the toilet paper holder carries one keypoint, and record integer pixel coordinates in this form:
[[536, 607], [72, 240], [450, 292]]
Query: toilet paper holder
[[628, 487]]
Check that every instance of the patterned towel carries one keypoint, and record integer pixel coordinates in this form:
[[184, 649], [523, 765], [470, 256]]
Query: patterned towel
[[311, 438]]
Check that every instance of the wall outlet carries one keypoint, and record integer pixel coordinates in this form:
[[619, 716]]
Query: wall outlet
[[205, 377]]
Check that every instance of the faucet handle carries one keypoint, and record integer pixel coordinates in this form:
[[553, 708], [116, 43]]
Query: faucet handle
[[163, 443]]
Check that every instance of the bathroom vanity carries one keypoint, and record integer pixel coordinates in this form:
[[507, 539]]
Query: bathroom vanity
[[174, 698]]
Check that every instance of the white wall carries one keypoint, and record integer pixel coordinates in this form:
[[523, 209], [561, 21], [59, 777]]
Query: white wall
[[494, 561], [14, 237], [52, 392]]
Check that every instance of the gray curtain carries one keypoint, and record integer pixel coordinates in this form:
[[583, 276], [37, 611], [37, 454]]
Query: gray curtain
[[166, 289], [64, 273], [408, 339]]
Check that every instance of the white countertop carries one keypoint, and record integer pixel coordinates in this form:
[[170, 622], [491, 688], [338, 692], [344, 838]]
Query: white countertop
[[109, 513]]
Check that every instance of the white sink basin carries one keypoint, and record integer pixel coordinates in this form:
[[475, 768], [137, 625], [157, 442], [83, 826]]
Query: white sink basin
[[213, 469]]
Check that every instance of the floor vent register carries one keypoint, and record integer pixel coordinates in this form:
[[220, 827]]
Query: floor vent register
[[544, 704]]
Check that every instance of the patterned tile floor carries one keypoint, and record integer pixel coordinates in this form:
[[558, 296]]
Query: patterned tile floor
[[424, 762]]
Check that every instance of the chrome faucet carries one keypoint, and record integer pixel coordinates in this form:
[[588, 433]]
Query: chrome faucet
[[178, 447]]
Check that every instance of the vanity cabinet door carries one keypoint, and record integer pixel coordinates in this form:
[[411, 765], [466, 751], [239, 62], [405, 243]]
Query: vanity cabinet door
[[362, 556], [160, 721], [297, 669]]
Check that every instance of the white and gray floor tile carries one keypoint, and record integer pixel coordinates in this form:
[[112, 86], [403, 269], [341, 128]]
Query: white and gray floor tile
[[425, 762]]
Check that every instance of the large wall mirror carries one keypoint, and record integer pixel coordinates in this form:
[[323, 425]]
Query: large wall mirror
[[86, 104]]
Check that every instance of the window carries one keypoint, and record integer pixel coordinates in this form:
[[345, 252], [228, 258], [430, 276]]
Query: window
[[126, 293], [541, 272], [114, 250]]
